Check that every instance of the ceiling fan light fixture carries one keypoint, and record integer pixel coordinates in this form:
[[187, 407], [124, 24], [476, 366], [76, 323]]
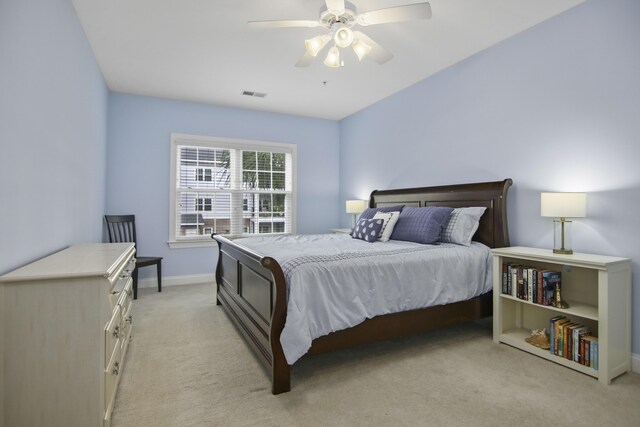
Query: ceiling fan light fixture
[[333, 58], [361, 48], [343, 37], [315, 45]]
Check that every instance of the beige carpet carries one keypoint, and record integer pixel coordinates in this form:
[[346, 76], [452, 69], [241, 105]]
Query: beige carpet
[[187, 366]]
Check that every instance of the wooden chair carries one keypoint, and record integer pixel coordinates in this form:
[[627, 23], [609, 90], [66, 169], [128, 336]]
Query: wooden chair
[[122, 228]]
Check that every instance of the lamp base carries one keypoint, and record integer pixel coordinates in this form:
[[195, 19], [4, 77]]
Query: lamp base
[[563, 251], [562, 237]]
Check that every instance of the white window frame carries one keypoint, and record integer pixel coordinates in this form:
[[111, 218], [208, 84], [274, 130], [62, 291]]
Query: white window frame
[[218, 142]]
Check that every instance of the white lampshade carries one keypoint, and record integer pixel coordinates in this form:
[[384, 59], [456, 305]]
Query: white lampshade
[[315, 45], [356, 206], [343, 37], [333, 58], [360, 48], [563, 205]]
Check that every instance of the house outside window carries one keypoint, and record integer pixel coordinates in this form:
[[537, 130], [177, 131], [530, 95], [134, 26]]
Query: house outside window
[[229, 186], [203, 174]]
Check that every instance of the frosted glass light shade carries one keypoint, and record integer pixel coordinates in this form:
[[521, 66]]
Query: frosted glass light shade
[[360, 48], [333, 58], [356, 206], [563, 205], [343, 37], [315, 45]]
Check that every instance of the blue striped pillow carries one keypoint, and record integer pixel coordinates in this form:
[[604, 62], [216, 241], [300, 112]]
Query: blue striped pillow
[[421, 225]]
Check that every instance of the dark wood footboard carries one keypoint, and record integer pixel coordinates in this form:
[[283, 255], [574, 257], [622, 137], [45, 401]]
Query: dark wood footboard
[[252, 290], [251, 287]]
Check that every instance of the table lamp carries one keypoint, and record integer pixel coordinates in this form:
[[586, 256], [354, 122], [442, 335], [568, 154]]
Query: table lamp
[[563, 206], [355, 207]]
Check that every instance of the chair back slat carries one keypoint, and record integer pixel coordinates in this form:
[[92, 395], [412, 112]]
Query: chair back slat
[[121, 228]]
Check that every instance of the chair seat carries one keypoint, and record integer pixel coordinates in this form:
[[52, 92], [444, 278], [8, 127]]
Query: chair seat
[[143, 261]]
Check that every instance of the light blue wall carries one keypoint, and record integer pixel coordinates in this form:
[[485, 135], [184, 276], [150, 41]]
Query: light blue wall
[[556, 108], [138, 153], [53, 113]]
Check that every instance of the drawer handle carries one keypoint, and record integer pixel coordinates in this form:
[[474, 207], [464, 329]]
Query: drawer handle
[[129, 319], [129, 292], [116, 332], [116, 368], [125, 275], [115, 292]]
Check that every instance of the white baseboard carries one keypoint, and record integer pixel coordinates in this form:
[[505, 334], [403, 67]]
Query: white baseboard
[[635, 362], [191, 279]]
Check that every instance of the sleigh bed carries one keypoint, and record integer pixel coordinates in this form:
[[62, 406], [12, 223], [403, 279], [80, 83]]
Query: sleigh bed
[[252, 289]]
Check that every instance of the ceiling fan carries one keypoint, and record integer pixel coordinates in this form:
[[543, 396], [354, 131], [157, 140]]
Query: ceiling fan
[[339, 17]]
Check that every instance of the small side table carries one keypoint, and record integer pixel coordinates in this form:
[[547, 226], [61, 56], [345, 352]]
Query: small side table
[[340, 231]]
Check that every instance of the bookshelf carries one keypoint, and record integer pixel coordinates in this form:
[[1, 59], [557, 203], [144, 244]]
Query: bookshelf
[[598, 289]]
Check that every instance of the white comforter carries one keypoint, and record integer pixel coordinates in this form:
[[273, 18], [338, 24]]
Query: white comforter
[[336, 282]]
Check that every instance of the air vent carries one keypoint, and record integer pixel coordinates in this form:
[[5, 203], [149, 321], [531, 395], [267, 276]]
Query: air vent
[[256, 94]]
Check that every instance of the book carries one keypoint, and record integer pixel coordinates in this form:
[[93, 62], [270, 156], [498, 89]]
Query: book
[[520, 282], [566, 338], [529, 271], [514, 281], [558, 335], [578, 342], [592, 342], [539, 286], [505, 279], [552, 333], [550, 279]]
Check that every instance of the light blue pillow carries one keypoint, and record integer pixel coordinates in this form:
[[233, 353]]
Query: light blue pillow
[[421, 225], [462, 225]]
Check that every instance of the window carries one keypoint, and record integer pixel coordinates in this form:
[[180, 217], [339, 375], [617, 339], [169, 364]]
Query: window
[[229, 186], [203, 174], [203, 204]]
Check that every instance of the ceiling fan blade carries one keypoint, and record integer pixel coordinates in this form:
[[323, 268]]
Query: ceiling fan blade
[[409, 12], [377, 52], [283, 24], [336, 6], [306, 60]]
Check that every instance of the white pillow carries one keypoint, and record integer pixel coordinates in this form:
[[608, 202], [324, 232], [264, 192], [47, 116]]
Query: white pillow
[[390, 219], [462, 225]]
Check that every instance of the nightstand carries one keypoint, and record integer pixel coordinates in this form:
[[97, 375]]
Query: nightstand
[[340, 231], [598, 290]]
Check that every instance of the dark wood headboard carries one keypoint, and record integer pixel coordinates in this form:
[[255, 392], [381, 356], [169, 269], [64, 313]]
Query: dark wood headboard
[[493, 230]]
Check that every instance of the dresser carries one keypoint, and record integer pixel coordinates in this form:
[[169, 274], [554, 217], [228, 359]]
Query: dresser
[[66, 325]]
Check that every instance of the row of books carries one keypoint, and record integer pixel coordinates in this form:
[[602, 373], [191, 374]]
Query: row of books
[[533, 284], [573, 341]]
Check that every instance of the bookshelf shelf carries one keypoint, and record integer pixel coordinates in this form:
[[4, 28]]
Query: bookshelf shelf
[[576, 309], [598, 290], [515, 338]]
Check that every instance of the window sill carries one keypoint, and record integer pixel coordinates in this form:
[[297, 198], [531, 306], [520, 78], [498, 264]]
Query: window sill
[[183, 244]]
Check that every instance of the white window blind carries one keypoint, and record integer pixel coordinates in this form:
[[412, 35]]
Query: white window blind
[[228, 186]]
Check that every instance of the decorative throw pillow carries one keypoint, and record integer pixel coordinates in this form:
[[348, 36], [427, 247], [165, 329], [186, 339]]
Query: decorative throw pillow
[[462, 225], [370, 212], [390, 219], [368, 229], [421, 225]]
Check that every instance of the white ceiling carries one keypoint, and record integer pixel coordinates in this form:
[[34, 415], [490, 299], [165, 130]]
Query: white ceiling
[[204, 51]]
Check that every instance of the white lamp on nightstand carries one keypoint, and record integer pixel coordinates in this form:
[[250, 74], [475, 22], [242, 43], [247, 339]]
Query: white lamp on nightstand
[[563, 206], [355, 207]]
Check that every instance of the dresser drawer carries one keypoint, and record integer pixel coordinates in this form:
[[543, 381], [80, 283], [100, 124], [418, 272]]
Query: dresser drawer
[[112, 333], [111, 379], [123, 279], [120, 287]]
